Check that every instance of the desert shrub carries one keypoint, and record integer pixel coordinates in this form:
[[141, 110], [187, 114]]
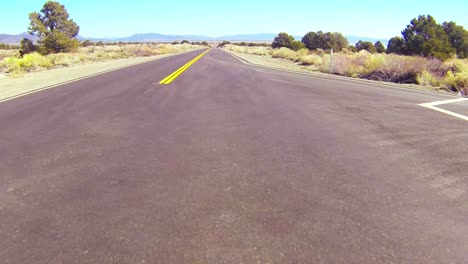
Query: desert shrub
[[28, 62], [345, 65], [64, 59], [320, 51], [8, 53], [400, 69], [259, 51], [326, 60], [458, 79], [285, 53], [145, 51], [374, 62], [311, 59], [427, 79], [236, 48], [348, 51], [87, 43], [297, 45], [302, 52], [10, 65]]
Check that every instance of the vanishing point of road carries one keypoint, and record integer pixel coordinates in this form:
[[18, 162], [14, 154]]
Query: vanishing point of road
[[231, 163]]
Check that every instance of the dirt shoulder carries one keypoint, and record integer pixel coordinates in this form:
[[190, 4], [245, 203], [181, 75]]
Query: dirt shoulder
[[13, 86]]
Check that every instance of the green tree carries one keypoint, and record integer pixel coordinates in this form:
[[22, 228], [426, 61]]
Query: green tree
[[458, 38], [56, 31], [336, 41], [205, 43], [366, 45], [311, 40], [325, 41], [297, 45], [352, 48], [379, 47], [87, 43], [185, 42], [26, 46], [396, 45], [224, 43], [423, 36], [283, 40]]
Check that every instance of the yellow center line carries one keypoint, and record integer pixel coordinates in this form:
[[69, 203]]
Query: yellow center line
[[175, 74]]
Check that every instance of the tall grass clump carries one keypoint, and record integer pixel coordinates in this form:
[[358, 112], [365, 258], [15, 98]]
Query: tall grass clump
[[28, 62], [8, 53], [311, 60], [263, 51], [285, 53], [457, 78]]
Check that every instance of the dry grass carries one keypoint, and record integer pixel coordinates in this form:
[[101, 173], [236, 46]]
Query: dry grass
[[8, 53], [14, 65], [263, 51], [451, 74], [285, 53]]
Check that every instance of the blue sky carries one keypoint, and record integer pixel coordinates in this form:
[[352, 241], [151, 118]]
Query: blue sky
[[119, 18]]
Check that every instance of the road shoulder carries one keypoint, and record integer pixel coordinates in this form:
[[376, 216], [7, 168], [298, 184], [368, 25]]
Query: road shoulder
[[11, 87], [291, 67]]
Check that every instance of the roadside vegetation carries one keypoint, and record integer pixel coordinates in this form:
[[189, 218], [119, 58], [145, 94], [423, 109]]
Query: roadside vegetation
[[16, 65], [58, 46], [428, 54]]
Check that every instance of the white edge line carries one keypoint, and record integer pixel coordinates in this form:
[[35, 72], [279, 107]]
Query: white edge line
[[234, 56], [432, 106], [451, 101]]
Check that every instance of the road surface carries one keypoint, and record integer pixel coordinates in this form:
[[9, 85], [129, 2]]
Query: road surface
[[231, 163]]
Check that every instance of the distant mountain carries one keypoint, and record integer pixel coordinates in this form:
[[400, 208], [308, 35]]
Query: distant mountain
[[155, 37], [249, 37], [15, 39]]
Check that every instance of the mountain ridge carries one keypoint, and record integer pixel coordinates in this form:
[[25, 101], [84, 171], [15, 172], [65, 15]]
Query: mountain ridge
[[157, 37]]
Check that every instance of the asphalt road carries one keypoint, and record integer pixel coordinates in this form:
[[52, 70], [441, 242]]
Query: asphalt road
[[231, 164]]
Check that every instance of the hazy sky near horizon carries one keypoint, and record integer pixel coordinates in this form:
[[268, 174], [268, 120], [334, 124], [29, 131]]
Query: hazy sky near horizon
[[120, 18]]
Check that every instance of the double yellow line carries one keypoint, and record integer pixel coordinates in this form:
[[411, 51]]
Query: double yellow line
[[175, 74]]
